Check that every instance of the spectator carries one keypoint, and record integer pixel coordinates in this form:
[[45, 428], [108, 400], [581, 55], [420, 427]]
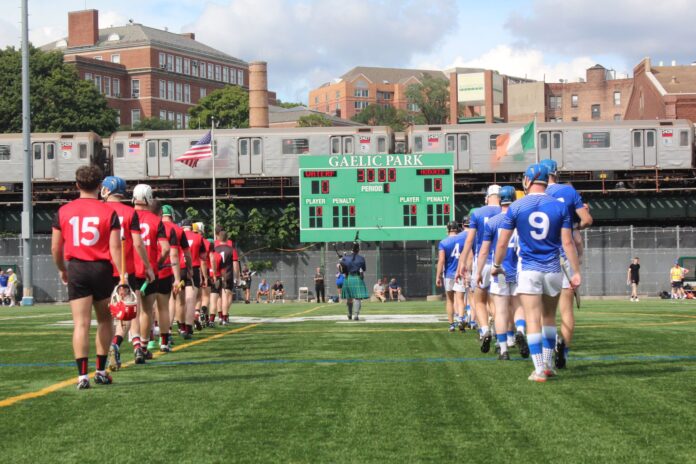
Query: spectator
[[277, 292], [263, 290], [633, 277], [340, 277], [676, 276], [319, 290], [378, 291], [246, 283], [4, 278], [394, 290]]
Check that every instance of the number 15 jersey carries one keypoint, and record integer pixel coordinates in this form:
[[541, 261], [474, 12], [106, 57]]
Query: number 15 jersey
[[86, 225], [538, 219]]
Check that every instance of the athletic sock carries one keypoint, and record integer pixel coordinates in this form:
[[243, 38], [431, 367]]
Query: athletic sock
[[356, 306], [521, 325], [136, 342], [101, 363], [502, 343], [510, 337], [484, 330], [549, 341], [81, 366], [117, 340], [535, 349], [164, 338], [212, 317], [350, 308], [219, 314]]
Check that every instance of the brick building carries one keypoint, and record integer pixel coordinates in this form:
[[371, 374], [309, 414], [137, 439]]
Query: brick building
[[663, 92], [145, 72]]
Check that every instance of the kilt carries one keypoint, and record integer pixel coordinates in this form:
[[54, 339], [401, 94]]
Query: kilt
[[354, 287]]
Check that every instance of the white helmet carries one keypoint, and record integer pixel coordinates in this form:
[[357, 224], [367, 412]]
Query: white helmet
[[142, 193], [493, 190]]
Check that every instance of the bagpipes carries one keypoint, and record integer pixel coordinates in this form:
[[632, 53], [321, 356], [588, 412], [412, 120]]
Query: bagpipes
[[356, 246]]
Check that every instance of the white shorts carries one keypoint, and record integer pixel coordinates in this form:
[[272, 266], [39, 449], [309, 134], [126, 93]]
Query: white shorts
[[451, 285], [539, 283], [569, 270], [486, 277], [507, 289]]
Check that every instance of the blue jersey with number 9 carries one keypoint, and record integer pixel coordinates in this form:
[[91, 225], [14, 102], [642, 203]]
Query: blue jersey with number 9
[[538, 219], [452, 246]]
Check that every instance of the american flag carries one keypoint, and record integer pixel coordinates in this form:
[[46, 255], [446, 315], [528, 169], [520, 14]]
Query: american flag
[[200, 150]]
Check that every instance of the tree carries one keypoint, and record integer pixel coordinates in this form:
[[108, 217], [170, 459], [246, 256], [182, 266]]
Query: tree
[[229, 105], [153, 124], [432, 98], [60, 100], [283, 104], [314, 120], [376, 115]]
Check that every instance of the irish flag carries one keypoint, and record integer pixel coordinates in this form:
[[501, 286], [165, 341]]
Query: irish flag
[[516, 142]]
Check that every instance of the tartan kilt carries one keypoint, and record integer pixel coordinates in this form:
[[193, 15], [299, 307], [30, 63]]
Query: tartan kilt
[[354, 287]]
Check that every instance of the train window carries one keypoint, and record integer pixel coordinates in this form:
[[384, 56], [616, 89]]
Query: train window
[[256, 146], [335, 146], [151, 149], [464, 142], [347, 145], [400, 147], [637, 139], [243, 147], [683, 139], [544, 141], [595, 140], [4, 152], [50, 151], [556, 140], [381, 145], [650, 139], [418, 144], [119, 150], [451, 143], [83, 150], [493, 141], [164, 149], [296, 146], [37, 151]]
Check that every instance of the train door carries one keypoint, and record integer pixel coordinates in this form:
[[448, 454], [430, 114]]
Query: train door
[[256, 156], [458, 144], [159, 158], [343, 145], [644, 147], [250, 155], [44, 164], [550, 145]]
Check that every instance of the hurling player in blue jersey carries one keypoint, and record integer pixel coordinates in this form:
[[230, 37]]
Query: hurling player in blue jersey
[[449, 250], [477, 222], [582, 219], [503, 287], [543, 226]]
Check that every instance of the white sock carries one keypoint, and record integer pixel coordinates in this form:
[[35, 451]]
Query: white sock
[[503, 347]]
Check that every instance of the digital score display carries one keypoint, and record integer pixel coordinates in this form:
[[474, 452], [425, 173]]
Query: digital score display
[[385, 197]]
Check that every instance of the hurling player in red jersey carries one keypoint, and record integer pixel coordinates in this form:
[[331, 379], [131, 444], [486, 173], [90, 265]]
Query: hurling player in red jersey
[[230, 270], [204, 293], [169, 276], [152, 231], [216, 289], [113, 190], [198, 278], [86, 236], [177, 301]]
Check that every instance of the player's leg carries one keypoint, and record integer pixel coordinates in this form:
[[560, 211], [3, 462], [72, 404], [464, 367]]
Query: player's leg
[[163, 297], [349, 306], [191, 297], [553, 288], [449, 307], [226, 302], [146, 318], [533, 309], [502, 319], [81, 309], [520, 326], [357, 305], [565, 305], [205, 305], [105, 324], [481, 311]]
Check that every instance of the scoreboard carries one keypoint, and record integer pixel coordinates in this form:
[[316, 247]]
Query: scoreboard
[[386, 197]]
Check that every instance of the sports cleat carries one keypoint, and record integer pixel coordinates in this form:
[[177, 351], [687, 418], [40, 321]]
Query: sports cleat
[[151, 345], [114, 359], [103, 379], [211, 324], [350, 315], [165, 349], [452, 327], [198, 325], [534, 377], [521, 341], [187, 336], [139, 356], [560, 354], [504, 356], [462, 325], [486, 343], [356, 318], [550, 372], [147, 353], [83, 384]]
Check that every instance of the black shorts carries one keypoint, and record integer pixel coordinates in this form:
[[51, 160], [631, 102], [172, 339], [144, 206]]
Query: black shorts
[[196, 281], [164, 285], [151, 287], [131, 281], [216, 286], [89, 278], [635, 281], [677, 284], [228, 281]]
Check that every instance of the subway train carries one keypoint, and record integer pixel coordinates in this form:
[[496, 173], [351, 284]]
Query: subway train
[[621, 148]]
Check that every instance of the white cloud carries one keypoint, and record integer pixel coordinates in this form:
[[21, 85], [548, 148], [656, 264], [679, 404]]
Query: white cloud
[[9, 34]]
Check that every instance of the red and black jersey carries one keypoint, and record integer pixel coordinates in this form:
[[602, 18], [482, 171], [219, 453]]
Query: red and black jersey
[[228, 253], [86, 225], [197, 247], [183, 245], [170, 228], [151, 230], [217, 259], [129, 224]]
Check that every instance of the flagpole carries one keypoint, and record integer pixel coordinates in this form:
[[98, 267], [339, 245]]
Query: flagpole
[[536, 138], [212, 149]]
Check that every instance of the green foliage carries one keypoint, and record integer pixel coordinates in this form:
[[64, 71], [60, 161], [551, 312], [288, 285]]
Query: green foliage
[[229, 106], [283, 104], [60, 100], [377, 115], [432, 98], [314, 120], [154, 124]]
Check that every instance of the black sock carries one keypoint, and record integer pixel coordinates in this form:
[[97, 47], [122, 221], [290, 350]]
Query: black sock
[[204, 310], [350, 307], [101, 362], [81, 366], [119, 340]]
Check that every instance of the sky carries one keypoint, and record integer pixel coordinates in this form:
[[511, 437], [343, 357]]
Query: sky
[[309, 42]]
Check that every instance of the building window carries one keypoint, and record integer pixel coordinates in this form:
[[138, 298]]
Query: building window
[[179, 93], [107, 86], [135, 88], [295, 146], [163, 115], [179, 67], [98, 83], [202, 69], [225, 74], [233, 76], [118, 116], [179, 120], [163, 90], [98, 58], [187, 93], [88, 76], [240, 77], [574, 119], [170, 116], [218, 72], [617, 98], [187, 121], [362, 93], [338, 94], [115, 58], [162, 60], [194, 68], [617, 117], [413, 107], [187, 66], [116, 87], [170, 90], [574, 101], [204, 92], [170, 63], [555, 102], [135, 117], [385, 95], [211, 72], [360, 105], [596, 112]]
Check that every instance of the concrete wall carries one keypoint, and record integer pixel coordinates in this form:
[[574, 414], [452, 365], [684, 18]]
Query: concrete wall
[[524, 100]]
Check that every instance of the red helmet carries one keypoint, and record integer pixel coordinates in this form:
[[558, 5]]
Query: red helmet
[[124, 304]]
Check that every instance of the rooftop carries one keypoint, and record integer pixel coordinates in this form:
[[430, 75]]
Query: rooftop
[[676, 79], [278, 114], [390, 75]]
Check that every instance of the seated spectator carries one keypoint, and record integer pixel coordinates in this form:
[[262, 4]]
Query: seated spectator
[[378, 291], [11, 288], [277, 291], [4, 278], [264, 290], [394, 290]]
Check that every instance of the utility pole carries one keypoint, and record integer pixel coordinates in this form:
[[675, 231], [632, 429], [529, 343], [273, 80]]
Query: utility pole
[[27, 207]]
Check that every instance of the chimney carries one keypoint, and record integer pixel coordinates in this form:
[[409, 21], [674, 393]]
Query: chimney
[[83, 28], [258, 94], [190, 35]]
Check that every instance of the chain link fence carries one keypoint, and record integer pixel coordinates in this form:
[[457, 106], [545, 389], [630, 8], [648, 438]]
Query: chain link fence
[[608, 252]]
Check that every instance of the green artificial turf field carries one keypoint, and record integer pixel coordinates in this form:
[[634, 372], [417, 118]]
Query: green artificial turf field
[[329, 390]]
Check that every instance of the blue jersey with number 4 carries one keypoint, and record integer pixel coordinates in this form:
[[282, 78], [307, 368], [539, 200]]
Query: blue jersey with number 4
[[478, 221], [491, 234], [538, 219], [452, 246]]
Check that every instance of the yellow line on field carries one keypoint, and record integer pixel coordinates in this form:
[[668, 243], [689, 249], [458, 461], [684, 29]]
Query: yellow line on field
[[32, 334], [290, 331]]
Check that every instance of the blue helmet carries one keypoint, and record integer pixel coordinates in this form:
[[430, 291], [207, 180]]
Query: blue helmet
[[551, 165], [115, 185], [507, 195], [537, 173]]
